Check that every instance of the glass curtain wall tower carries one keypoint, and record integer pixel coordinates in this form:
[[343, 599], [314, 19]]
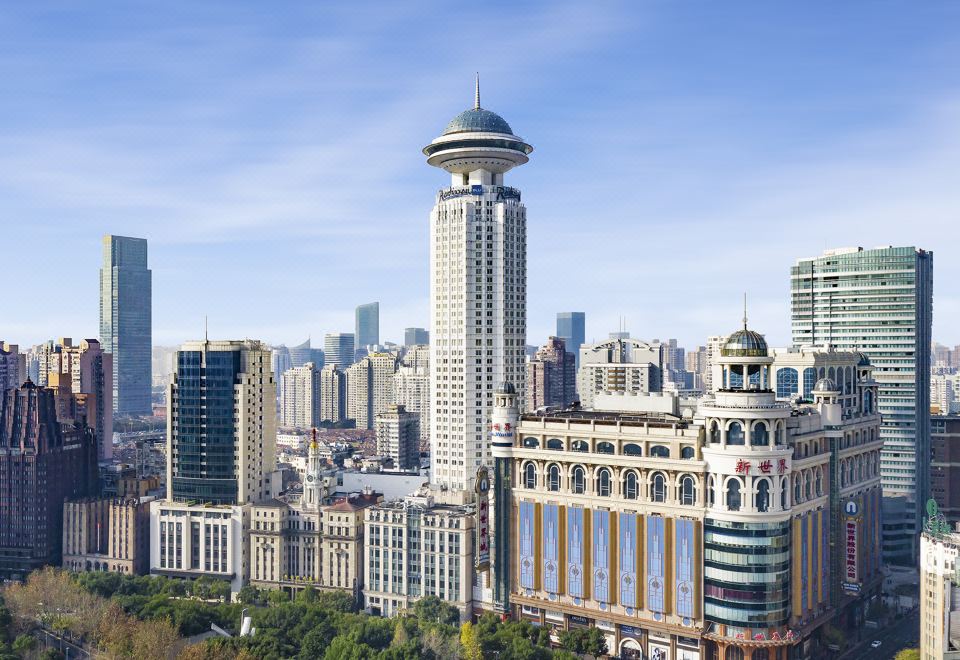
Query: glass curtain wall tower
[[880, 302], [125, 321], [477, 289]]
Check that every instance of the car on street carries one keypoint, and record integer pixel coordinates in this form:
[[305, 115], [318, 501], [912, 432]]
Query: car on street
[[875, 643]]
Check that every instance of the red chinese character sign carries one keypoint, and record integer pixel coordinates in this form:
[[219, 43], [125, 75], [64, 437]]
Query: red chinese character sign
[[743, 467], [483, 520], [851, 572]]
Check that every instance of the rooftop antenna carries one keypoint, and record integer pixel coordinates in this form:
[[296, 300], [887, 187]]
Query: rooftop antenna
[[476, 98], [744, 310], [206, 326]]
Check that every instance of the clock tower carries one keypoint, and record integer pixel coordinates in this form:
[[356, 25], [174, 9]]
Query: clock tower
[[311, 486]]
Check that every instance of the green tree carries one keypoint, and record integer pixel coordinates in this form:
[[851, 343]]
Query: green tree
[[908, 654], [431, 608], [278, 597], [23, 644], [343, 648], [250, 595], [307, 596], [316, 641], [470, 641]]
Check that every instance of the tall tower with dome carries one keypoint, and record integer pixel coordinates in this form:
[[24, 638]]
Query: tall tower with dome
[[478, 278]]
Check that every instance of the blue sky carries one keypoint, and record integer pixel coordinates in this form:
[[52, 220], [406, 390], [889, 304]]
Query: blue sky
[[684, 153]]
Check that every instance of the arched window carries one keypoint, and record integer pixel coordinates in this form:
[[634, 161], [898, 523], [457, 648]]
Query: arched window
[[819, 483], [579, 445], [579, 480], [848, 381], [733, 494], [658, 488], [736, 377], [843, 474], [735, 434], [784, 487], [555, 444], [714, 431], [778, 433], [711, 485], [688, 490], [630, 486], [832, 374], [604, 447], [809, 381], [759, 435], [850, 471], [603, 482], [554, 480], [788, 383], [530, 476], [687, 453], [763, 495], [868, 402], [660, 451], [531, 442], [796, 489], [807, 486], [632, 449]]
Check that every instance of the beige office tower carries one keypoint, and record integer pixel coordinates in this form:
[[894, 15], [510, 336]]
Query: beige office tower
[[478, 297]]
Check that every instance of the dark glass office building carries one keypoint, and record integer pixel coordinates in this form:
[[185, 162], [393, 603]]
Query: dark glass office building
[[368, 325], [571, 328], [125, 321], [203, 435]]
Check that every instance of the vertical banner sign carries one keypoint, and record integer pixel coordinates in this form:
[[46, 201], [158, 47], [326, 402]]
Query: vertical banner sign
[[483, 520], [628, 560], [526, 544], [601, 556], [851, 551], [551, 548], [575, 551], [655, 564], [684, 569]]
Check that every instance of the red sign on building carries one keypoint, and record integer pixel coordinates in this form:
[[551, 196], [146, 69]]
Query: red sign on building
[[851, 551]]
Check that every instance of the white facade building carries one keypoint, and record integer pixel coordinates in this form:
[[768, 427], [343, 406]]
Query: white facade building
[[477, 288], [370, 388], [619, 365], [411, 386], [300, 397], [939, 596], [333, 394]]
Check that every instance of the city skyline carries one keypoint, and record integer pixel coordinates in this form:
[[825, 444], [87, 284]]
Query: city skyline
[[801, 134]]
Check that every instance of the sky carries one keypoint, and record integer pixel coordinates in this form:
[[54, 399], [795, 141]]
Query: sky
[[684, 153]]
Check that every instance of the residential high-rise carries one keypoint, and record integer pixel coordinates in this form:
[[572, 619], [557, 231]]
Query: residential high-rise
[[880, 302], [42, 462], [300, 397], [221, 447], [13, 367], [367, 331], [412, 388], [478, 294], [619, 365], [333, 394], [90, 371], [125, 321], [221, 427], [370, 388], [415, 336], [571, 328], [551, 376], [398, 436], [338, 349]]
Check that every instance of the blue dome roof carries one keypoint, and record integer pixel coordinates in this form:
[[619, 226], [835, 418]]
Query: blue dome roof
[[478, 120], [745, 343]]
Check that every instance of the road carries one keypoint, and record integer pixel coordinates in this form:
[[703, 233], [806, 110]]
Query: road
[[903, 634], [70, 650]]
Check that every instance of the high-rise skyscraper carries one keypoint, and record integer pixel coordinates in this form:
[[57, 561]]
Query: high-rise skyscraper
[[415, 336], [125, 321], [333, 394], [338, 349], [300, 354], [478, 291], [551, 376], [880, 302], [221, 427], [367, 331], [398, 436], [300, 397], [412, 387], [13, 366], [370, 388], [571, 328]]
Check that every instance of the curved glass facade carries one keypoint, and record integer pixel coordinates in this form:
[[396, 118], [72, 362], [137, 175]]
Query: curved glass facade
[[478, 120], [747, 573]]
